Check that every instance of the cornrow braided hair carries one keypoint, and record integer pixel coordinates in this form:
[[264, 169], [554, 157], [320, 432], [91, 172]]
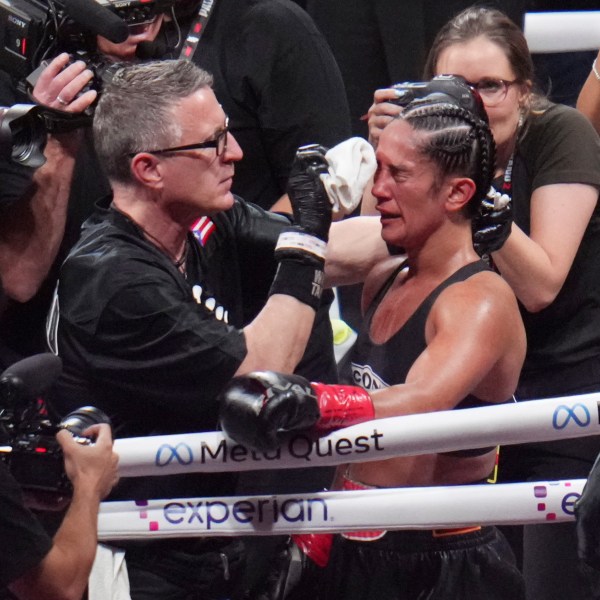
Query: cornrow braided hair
[[459, 142]]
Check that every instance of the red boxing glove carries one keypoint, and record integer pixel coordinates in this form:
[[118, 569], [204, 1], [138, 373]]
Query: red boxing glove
[[317, 546], [342, 406], [260, 408]]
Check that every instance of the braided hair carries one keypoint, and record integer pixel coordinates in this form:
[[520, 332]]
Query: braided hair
[[458, 141]]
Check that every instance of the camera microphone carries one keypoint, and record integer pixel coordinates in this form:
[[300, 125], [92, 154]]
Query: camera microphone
[[150, 50], [98, 19], [29, 378]]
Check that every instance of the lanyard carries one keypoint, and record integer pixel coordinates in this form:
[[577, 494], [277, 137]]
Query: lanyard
[[197, 29], [507, 181]]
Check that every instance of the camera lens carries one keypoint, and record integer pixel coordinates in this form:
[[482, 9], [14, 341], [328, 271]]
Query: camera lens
[[22, 135], [82, 418]]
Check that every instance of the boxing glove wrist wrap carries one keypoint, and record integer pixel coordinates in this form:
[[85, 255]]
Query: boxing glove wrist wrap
[[303, 281], [342, 406]]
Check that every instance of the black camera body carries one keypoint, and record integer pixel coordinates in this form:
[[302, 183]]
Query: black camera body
[[34, 31], [451, 88], [28, 445], [35, 458]]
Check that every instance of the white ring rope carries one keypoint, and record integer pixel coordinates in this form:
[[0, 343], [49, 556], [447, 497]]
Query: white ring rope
[[566, 31], [405, 508], [536, 420]]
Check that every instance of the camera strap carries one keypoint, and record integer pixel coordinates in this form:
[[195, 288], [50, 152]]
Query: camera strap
[[197, 29]]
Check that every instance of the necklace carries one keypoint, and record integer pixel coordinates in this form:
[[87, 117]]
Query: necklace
[[178, 262]]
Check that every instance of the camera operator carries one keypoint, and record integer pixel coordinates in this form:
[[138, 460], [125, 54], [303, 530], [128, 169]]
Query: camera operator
[[33, 565], [41, 210]]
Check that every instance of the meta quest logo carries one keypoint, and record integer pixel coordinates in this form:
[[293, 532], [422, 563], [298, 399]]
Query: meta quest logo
[[552, 498]]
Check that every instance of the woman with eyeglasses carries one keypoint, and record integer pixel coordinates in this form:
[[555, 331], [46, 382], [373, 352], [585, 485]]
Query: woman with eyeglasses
[[548, 162]]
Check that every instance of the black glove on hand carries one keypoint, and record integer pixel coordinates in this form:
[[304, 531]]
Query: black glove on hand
[[259, 408], [587, 515], [491, 226], [311, 205]]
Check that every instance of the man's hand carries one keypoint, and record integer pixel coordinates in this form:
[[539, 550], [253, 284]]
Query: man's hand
[[492, 225], [310, 203], [58, 85], [92, 467], [259, 409]]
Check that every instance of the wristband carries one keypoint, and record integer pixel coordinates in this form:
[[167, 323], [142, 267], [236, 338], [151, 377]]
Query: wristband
[[301, 280], [299, 241]]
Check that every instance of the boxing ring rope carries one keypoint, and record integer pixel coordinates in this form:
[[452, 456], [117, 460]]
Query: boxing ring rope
[[405, 508], [443, 431], [567, 31]]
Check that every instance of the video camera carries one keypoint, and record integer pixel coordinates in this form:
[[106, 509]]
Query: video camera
[[33, 31], [452, 88], [24, 129], [27, 435]]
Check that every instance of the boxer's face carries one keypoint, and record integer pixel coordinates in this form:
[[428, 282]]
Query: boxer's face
[[406, 187]]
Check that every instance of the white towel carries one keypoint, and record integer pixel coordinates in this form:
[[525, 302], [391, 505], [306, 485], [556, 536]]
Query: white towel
[[352, 164], [109, 579]]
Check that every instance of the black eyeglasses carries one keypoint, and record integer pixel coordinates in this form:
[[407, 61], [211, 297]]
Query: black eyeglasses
[[492, 91], [219, 142]]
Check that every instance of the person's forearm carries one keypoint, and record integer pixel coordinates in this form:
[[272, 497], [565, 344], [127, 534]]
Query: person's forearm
[[589, 97], [64, 572], [355, 246], [277, 337], [528, 270], [32, 230]]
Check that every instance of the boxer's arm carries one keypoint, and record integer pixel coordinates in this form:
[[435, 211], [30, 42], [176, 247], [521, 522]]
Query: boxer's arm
[[260, 409], [475, 341], [355, 247]]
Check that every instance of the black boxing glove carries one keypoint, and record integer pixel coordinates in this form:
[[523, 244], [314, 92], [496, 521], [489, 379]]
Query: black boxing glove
[[587, 515], [259, 409], [300, 248], [492, 224], [309, 199]]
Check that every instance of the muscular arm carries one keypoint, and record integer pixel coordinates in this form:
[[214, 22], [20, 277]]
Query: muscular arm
[[536, 266], [459, 359], [355, 246], [64, 572], [277, 337], [588, 101]]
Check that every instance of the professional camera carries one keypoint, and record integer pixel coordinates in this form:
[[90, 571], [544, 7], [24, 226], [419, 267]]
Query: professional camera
[[27, 435], [35, 31], [453, 87], [24, 129]]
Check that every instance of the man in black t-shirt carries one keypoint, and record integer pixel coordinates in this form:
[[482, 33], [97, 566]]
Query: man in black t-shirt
[[152, 320]]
